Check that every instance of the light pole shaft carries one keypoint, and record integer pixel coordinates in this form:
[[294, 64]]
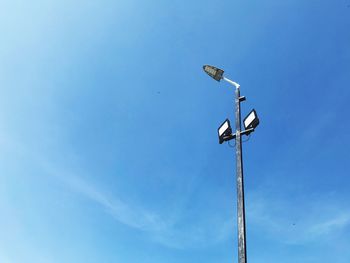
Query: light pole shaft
[[242, 251]]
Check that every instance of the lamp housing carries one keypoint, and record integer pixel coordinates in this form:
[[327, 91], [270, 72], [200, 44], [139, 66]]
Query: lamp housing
[[224, 130], [213, 72], [251, 121]]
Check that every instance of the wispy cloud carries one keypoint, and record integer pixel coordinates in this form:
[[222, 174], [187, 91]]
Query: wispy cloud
[[336, 222], [168, 230], [122, 212], [299, 223]]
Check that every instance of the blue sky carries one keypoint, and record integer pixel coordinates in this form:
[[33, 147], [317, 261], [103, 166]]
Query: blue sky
[[108, 126]]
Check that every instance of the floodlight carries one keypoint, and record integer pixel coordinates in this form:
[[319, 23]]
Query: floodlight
[[251, 121], [224, 131], [213, 72]]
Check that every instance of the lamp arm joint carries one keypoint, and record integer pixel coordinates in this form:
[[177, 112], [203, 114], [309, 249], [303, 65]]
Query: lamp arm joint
[[247, 131]]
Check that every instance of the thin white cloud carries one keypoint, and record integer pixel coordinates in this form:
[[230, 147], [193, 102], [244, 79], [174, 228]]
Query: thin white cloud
[[335, 223], [301, 223], [114, 206], [172, 230], [167, 230]]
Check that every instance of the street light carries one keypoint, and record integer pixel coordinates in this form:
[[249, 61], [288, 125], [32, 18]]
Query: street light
[[225, 131], [251, 121], [225, 134], [213, 72]]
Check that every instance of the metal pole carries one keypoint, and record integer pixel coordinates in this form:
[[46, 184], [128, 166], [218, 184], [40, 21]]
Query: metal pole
[[242, 251]]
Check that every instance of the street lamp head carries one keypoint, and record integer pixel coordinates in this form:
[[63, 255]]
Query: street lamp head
[[213, 72], [251, 121]]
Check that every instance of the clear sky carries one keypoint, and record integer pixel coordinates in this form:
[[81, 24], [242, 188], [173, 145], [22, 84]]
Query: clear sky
[[108, 130]]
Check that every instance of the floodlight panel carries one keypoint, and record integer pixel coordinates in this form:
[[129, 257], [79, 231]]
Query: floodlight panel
[[251, 117], [223, 128]]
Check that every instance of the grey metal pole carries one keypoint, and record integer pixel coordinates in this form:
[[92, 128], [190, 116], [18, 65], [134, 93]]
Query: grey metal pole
[[242, 251]]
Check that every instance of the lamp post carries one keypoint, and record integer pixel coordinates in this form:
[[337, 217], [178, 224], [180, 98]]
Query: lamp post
[[225, 134]]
